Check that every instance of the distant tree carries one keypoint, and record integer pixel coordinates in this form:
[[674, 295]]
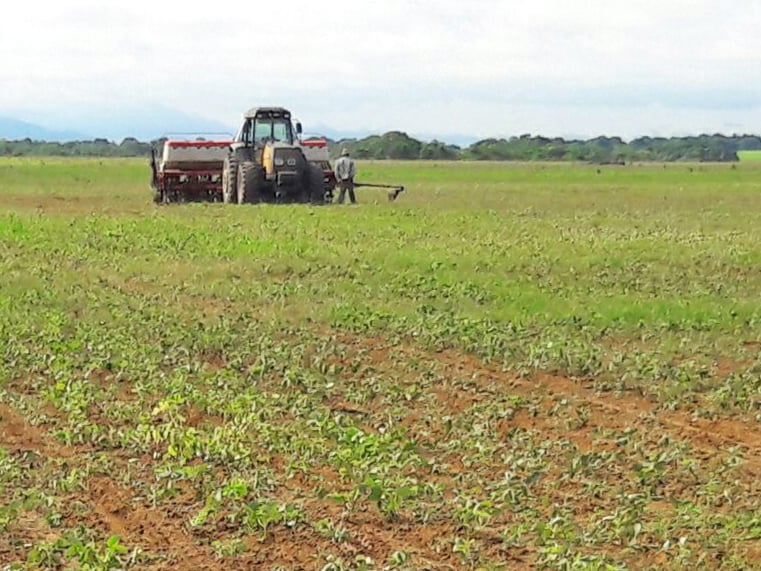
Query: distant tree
[[399, 145], [437, 150], [133, 147]]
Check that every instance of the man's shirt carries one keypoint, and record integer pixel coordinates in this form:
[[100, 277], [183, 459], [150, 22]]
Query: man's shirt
[[344, 168]]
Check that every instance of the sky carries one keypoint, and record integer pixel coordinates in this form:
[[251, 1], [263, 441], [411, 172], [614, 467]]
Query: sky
[[482, 68]]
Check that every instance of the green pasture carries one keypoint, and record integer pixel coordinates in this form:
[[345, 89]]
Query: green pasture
[[638, 281], [749, 156]]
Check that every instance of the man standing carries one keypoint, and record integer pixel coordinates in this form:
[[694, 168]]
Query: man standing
[[345, 171]]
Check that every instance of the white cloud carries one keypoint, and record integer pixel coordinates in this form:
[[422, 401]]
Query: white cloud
[[485, 66]]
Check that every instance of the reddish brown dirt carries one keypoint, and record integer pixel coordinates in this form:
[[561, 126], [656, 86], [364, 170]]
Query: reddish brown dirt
[[163, 530], [112, 507], [709, 439], [116, 511], [16, 435], [609, 410], [163, 534]]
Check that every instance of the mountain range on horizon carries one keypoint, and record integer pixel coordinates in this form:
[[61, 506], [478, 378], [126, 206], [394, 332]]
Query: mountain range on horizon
[[154, 123], [15, 129], [142, 124]]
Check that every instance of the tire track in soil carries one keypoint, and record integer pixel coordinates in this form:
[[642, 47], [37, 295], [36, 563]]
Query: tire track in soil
[[113, 507], [611, 411]]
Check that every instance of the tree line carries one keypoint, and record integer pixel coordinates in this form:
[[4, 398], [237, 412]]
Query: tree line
[[129, 147], [602, 150], [398, 145]]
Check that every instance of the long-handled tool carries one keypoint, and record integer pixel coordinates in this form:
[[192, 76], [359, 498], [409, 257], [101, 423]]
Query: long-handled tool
[[392, 195]]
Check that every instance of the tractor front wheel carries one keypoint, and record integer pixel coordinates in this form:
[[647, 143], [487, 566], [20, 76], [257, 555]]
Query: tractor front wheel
[[249, 183]]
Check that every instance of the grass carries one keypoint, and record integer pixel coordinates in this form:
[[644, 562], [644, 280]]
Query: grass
[[749, 156], [500, 366]]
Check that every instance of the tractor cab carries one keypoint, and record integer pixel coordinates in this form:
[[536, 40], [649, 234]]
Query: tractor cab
[[267, 124], [270, 135], [266, 162]]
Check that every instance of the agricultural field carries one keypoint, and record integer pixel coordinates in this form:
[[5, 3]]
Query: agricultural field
[[546, 366], [749, 156]]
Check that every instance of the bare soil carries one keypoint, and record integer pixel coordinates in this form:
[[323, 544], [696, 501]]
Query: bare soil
[[163, 531]]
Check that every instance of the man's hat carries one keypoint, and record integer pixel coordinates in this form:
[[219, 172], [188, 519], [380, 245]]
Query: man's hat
[[345, 152]]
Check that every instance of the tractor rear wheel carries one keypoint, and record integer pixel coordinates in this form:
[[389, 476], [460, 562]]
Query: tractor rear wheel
[[316, 188], [249, 183], [229, 178]]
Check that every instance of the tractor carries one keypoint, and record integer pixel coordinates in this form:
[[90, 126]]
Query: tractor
[[266, 162]]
